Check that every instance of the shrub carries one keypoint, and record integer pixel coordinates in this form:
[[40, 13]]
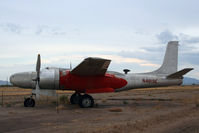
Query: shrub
[[54, 102], [8, 105], [63, 99], [125, 102]]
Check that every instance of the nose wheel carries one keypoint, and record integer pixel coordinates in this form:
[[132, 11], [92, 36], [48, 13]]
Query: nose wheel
[[84, 101], [29, 102]]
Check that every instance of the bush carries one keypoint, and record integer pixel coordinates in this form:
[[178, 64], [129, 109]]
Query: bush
[[63, 99], [8, 105], [125, 102], [54, 102]]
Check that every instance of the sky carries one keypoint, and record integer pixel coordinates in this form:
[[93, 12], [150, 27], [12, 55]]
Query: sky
[[132, 33]]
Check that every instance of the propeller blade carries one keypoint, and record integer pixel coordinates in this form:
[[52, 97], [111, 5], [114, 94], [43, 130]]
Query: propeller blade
[[38, 65], [37, 90]]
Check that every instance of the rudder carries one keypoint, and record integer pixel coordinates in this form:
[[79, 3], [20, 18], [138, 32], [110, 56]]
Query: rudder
[[170, 63]]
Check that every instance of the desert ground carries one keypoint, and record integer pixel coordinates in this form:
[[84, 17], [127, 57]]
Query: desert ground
[[153, 110]]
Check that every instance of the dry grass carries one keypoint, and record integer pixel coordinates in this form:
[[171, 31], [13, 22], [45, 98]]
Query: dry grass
[[104, 100], [115, 110], [61, 107], [170, 88], [15, 91], [15, 96]]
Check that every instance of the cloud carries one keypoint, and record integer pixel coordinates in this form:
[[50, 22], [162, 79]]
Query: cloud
[[189, 49], [48, 30], [149, 64], [39, 30], [120, 59], [76, 59], [152, 54], [191, 58], [11, 27], [166, 36], [188, 39]]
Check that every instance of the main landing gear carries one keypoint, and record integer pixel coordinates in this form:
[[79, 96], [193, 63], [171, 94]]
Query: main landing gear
[[29, 102], [84, 101]]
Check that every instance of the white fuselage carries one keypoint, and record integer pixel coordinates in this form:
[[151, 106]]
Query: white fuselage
[[142, 80]]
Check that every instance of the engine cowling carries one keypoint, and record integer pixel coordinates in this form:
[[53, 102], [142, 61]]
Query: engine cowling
[[49, 78]]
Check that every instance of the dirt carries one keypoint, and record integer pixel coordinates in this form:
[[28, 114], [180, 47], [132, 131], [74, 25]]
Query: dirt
[[154, 110]]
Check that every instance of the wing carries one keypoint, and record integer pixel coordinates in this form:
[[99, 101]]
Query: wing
[[92, 67]]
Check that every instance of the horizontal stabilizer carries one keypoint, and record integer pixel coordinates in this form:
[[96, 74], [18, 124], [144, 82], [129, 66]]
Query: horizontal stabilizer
[[180, 73]]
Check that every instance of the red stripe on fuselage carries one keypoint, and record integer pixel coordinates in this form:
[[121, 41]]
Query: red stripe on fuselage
[[83, 83]]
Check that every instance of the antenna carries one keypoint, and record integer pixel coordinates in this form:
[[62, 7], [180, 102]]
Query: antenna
[[7, 81], [126, 71], [70, 65]]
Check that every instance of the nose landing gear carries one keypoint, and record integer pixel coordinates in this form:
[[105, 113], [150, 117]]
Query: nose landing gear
[[84, 101]]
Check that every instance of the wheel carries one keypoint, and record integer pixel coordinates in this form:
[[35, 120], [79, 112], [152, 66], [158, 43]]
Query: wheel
[[29, 102], [74, 99], [86, 101]]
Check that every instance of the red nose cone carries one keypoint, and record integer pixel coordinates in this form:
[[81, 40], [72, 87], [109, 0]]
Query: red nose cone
[[121, 83], [118, 83], [124, 82]]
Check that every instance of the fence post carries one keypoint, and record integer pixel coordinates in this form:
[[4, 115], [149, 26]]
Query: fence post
[[2, 98], [57, 103]]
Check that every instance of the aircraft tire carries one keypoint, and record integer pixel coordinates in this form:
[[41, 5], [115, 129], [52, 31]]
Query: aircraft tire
[[86, 101], [75, 98], [29, 102]]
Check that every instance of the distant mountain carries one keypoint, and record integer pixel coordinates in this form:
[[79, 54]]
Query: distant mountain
[[4, 82], [190, 81]]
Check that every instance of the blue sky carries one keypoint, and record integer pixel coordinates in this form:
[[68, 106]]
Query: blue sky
[[133, 33]]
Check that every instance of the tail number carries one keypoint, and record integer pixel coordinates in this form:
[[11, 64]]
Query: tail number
[[153, 81]]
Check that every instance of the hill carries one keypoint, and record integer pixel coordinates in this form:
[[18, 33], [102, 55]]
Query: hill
[[4, 82], [190, 81]]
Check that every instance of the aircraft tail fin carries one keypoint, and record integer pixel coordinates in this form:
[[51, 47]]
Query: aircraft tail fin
[[170, 62], [180, 73]]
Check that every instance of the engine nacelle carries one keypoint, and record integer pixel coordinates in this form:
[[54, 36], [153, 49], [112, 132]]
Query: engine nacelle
[[49, 78]]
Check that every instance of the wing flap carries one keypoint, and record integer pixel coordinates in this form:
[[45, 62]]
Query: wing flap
[[92, 67], [180, 73]]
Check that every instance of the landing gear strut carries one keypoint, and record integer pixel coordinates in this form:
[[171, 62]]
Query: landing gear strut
[[84, 101], [29, 102]]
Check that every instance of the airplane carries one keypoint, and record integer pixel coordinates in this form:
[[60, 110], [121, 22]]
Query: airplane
[[91, 76]]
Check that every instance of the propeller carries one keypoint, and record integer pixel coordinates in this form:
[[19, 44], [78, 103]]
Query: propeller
[[38, 65]]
